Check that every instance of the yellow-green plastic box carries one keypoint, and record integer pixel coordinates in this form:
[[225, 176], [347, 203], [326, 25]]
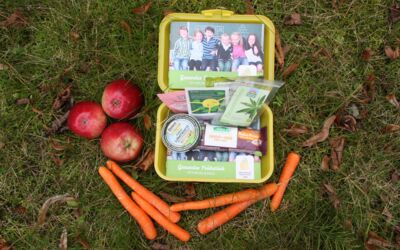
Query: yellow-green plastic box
[[224, 16]]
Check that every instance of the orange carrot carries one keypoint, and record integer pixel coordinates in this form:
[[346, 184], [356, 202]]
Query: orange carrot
[[291, 164], [150, 197], [222, 200], [173, 228], [221, 217], [140, 216]]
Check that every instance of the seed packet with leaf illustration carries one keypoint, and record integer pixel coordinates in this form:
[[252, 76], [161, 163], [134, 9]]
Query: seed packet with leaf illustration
[[244, 105], [204, 103]]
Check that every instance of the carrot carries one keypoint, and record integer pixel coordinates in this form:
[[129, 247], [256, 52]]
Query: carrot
[[222, 200], [149, 196], [288, 169], [140, 216], [221, 217], [173, 228]]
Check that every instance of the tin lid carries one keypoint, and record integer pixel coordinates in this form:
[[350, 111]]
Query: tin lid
[[181, 133]]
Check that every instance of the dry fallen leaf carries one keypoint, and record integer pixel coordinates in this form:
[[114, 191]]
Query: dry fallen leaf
[[249, 7], [4, 245], [57, 160], [369, 89], [84, 243], [332, 195], [63, 240], [20, 210], [167, 12], [322, 52], [366, 54], [390, 128], [159, 246], [348, 224], [392, 54], [388, 214], [74, 35], [62, 97], [37, 111], [395, 177], [394, 14], [125, 25], [23, 101], [289, 70], [190, 191], [325, 163], [142, 9], [336, 4], [293, 19], [171, 198], [46, 205], [374, 240], [146, 161], [147, 122], [337, 145], [321, 136], [16, 19], [286, 49], [347, 122], [280, 57], [56, 146], [393, 100], [57, 124], [296, 130]]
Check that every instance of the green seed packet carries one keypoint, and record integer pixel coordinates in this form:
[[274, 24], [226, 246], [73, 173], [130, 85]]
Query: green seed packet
[[244, 106], [205, 102]]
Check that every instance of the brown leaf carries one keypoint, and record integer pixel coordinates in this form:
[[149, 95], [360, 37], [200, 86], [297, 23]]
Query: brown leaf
[[4, 245], [348, 224], [62, 97], [171, 198], [146, 161], [374, 240], [84, 243], [286, 49], [347, 122], [167, 12], [368, 92], [37, 111], [392, 54], [296, 130], [46, 205], [322, 52], [57, 160], [190, 191], [395, 177], [57, 124], [336, 4], [332, 195], [394, 14], [325, 163], [391, 128], [289, 70], [249, 7], [366, 54], [56, 146], [337, 145], [321, 136], [23, 101], [125, 25], [388, 214], [393, 100], [21, 210], [280, 56], [293, 19], [142, 9], [63, 240], [147, 122], [159, 246], [16, 19], [74, 35]]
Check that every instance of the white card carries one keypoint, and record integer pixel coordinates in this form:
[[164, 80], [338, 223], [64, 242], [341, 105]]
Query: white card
[[245, 167], [220, 136]]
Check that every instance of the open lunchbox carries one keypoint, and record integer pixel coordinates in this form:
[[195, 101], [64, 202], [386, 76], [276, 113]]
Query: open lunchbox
[[174, 73]]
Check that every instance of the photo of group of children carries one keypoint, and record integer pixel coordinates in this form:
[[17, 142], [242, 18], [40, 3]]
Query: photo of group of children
[[224, 47]]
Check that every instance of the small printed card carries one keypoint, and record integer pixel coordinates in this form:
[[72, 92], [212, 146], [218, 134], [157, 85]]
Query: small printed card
[[205, 102], [220, 136], [245, 167]]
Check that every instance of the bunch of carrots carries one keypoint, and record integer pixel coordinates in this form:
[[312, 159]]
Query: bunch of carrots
[[143, 204]]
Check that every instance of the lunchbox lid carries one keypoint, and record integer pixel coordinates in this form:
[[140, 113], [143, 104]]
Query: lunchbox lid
[[213, 15]]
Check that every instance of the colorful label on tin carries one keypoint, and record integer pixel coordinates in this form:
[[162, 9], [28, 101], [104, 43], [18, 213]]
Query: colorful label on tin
[[180, 133]]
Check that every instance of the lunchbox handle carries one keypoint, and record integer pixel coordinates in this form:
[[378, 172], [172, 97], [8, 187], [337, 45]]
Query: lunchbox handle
[[216, 12]]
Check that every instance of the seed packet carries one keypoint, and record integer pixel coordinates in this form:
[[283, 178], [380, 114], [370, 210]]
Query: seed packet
[[204, 103], [175, 101]]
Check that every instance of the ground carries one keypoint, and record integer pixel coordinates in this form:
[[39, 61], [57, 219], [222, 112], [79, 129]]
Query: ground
[[83, 43]]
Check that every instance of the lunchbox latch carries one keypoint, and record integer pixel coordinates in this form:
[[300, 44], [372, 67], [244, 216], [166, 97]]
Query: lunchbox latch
[[217, 12]]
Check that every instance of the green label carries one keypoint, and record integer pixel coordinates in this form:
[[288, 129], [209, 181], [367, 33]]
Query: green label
[[188, 79], [206, 169]]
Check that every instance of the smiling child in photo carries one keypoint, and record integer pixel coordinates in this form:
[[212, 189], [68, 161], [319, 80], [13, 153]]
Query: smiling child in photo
[[254, 52], [182, 50], [224, 53], [196, 51], [238, 53]]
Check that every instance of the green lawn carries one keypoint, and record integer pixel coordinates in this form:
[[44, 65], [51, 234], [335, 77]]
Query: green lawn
[[41, 59]]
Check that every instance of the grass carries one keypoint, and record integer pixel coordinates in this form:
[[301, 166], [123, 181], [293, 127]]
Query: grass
[[37, 57]]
